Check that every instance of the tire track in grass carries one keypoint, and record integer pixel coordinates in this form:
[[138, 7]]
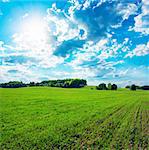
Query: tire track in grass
[[140, 140], [141, 135], [128, 130], [117, 136], [76, 138], [128, 133], [100, 135], [120, 135], [140, 131], [134, 130], [112, 124], [118, 118], [145, 129]]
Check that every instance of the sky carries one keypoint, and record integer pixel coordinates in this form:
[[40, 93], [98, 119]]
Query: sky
[[97, 40]]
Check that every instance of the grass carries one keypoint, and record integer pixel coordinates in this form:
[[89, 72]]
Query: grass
[[57, 118]]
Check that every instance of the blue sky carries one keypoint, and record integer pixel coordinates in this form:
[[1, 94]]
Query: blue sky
[[98, 40]]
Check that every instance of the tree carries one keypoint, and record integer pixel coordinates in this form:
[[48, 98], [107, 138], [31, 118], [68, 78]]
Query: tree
[[145, 87], [114, 87], [32, 84], [109, 86], [133, 87], [13, 84], [75, 83], [66, 84], [101, 86], [128, 87]]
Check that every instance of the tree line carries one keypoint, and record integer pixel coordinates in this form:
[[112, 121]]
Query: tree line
[[69, 83], [65, 83], [13, 84], [134, 87]]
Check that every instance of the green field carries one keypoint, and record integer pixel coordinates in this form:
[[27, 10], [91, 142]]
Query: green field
[[57, 118]]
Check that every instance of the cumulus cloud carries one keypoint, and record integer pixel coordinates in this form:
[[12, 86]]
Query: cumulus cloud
[[125, 10], [88, 53], [61, 25], [99, 16], [25, 51], [140, 50], [142, 20], [19, 72], [86, 20]]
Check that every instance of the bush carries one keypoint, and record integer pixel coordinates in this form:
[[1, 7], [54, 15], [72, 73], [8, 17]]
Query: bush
[[109, 86], [114, 87], [145, 87], [101, 86], [128, 87], [75, 83], [133, 87]]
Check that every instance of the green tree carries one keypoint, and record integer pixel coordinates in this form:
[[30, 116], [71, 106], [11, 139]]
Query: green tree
[[127, 87], [109, 86], [145, 87], [114, 87], [101, 86], [133, 87]]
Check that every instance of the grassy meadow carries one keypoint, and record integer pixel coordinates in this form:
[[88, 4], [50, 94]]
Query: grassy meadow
[[59, 118]]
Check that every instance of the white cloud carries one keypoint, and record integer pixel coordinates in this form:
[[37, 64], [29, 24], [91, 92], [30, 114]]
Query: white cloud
[[29, 45], [42, 58], [99, 52], [140, 50], [142, 20], [36, 46], [63, 26], [86, 4], [25, 15], [89, 50], [100, 70], [75, 6], [126, 10], [48, 62], [24, 73]]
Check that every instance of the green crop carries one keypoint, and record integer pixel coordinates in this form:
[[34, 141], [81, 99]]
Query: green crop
[[58, 118]]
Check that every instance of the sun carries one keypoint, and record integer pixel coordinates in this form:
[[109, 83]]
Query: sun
[[35, 29], [33, 34]]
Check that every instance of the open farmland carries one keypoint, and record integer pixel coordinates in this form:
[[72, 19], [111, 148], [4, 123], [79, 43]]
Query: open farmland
[[58, 118]]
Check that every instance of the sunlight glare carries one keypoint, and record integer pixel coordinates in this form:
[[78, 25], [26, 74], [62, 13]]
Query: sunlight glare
[[34, 29]]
